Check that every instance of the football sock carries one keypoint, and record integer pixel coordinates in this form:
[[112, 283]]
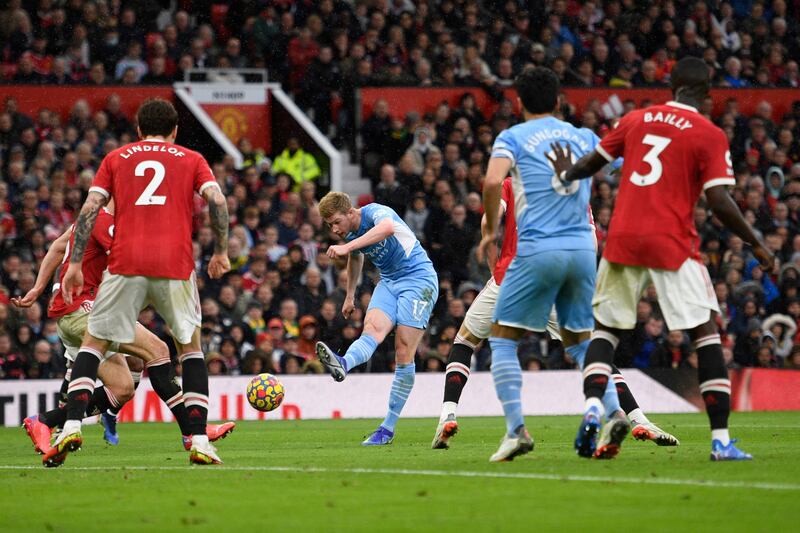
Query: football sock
[[456, 374], [626, 399], [714, 384], [507, 376], [401, 388], [161, 376], [638, 417], [597, 368], [195, 392], [102, 400], [610, 400], [55, 417], [62, 393], [360, 352], [81, 385]]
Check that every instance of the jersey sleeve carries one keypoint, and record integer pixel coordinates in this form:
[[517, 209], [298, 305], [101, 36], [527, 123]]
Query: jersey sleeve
[[715, 160], [103, 182], [506, 146], [103, 231], [613, 144], [379, 212], [203, 177]]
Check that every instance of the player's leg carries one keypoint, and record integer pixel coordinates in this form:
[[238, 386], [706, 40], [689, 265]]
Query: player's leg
[[378, 323], [688, 302], [475, 328], [108, 417], [112, 318], [614, 304], [406, 342], [178, 303], [524, 303], [413, 306], [643, 428]]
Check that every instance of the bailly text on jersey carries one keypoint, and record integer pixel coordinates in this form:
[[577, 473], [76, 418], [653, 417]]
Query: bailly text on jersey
[[668, 118], [131, 150]]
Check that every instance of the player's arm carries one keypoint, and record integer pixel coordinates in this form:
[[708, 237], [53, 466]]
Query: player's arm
[[50, 262], [383, 229], [73, 278], [498, 169], [586, 167], [355, 262], [491, 252], [725, 209], [220, 220]]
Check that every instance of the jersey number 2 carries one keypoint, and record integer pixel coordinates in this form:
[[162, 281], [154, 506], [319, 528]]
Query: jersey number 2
[[148, 196], [659, 144]]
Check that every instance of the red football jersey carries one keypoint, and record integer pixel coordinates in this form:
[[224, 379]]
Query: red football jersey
[[671, 154], [509, 248], [153, 185], [95, 260]]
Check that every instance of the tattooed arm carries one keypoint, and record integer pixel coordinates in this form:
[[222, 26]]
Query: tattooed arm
[[73, 278], [218, 212]]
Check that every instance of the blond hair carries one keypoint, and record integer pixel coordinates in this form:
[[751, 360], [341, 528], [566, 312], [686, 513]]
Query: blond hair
[[334, 202]]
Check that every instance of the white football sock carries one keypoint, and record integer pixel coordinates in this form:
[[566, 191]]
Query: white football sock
[[71, 426], [721, 435], [594, 402], [638, 417], [448, 408]]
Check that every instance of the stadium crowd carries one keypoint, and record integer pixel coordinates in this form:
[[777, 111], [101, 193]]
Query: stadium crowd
[[284, 293]]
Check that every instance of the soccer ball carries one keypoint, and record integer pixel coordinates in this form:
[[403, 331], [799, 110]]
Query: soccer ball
[[265, 392]]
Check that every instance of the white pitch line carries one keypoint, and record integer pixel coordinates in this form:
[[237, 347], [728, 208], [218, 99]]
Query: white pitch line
[[442, 473]]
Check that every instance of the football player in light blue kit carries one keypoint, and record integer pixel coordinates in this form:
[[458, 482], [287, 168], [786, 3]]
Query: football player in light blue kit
[[556, 258], [405, 295]]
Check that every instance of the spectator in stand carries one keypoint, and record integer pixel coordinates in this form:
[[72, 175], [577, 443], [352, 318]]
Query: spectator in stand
[[300, 165], [389, 192]]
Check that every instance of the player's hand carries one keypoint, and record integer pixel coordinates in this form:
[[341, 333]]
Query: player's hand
[[337, 250], [72, 284], [27, 300], [348, 307], [765, 258], [218, 265], [561, 160]]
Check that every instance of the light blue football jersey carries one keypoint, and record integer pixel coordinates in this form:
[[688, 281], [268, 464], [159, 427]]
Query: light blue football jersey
[[398, 256], [551, 214]]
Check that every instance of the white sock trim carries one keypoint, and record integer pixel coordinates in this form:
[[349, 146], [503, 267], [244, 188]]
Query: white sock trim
[[457, 367], [603, 369], [718, 385], [607, 336], [91, 351], [461, 340], [707, 341]]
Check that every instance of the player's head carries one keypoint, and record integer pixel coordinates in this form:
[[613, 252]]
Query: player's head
[[538, 88], [157, 117], [337, 211], [689, 77]]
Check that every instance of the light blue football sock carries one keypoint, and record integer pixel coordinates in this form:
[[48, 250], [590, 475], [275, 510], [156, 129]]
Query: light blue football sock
[[610, 397], [507, 376], [360, 351], [401, 387]]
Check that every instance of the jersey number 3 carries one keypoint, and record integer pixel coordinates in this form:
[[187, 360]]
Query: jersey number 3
[[148, 196], [659, 144]]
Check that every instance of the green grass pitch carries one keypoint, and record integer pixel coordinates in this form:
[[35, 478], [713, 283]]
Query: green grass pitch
[[300, 476]]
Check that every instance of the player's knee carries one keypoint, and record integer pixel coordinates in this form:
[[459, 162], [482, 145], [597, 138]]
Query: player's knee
[[374, 331], [134, 364], [158, 349], [123, 392]]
